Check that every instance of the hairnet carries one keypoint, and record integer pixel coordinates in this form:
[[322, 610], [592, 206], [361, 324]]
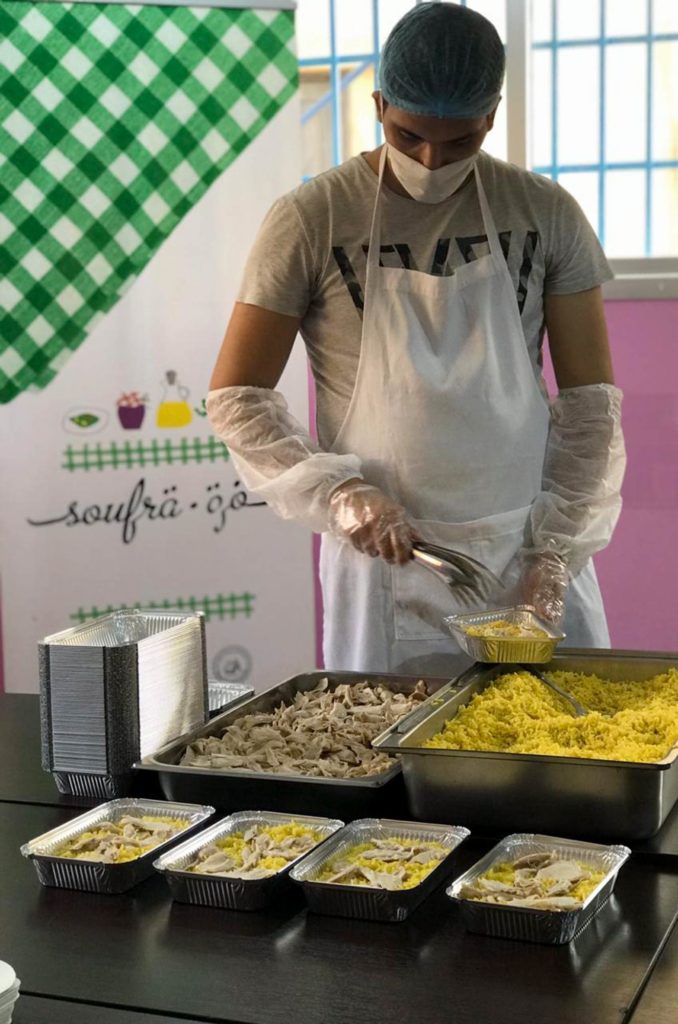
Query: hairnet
[[443, 60]]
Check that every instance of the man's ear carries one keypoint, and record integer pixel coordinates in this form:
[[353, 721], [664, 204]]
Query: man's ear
[[491, 116], [380, 104]]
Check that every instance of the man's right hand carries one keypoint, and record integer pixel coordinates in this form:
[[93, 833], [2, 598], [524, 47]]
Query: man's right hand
[[371, 521]]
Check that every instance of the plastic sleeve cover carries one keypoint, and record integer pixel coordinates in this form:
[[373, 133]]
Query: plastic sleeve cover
[[276, 456], [578, 507]]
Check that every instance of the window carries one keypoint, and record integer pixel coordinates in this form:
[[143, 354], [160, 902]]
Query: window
[[591, 100]]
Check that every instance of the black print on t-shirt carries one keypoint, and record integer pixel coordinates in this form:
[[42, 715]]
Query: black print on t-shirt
[[468, 245]]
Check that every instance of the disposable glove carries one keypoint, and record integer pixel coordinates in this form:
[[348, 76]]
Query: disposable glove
[[371, 521], [543, 584]]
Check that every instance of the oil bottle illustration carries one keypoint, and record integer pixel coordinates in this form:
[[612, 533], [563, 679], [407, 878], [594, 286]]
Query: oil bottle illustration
[[174, 410]]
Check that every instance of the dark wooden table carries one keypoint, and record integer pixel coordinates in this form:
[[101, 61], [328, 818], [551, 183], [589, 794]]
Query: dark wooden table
[[139, 958], [36, 1010], [658, 1002], [22, 780]]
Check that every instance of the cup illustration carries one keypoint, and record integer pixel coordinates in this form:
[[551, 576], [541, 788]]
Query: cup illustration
[[131, 409]]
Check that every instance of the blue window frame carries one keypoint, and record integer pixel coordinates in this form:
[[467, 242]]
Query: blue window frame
[[606, 44], [357, 62]]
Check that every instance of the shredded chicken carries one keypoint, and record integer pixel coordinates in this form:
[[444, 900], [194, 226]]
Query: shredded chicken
[[390, 863], [323, 732], [259, 852], [110, 842], [542, 881]]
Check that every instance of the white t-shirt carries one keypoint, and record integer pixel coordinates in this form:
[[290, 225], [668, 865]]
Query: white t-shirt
[[309, 258]]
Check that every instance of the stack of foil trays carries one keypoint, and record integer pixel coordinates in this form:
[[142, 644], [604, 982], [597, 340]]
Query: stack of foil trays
[[115, 689]]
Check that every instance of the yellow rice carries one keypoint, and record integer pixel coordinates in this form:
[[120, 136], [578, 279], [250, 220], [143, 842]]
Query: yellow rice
[[503, 628], [518, 714]]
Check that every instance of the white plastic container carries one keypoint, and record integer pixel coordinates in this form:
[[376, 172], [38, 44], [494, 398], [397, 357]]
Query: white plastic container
[[9, 991]]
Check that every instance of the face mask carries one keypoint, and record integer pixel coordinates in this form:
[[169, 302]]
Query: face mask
[[429, 186]]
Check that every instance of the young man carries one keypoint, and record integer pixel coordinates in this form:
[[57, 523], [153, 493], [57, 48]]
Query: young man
[[421, 277]]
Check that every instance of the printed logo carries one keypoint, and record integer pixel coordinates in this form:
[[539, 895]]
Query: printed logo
[[232, 664]]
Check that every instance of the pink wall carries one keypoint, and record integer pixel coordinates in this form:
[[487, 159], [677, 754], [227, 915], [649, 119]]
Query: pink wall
[[639, 570]]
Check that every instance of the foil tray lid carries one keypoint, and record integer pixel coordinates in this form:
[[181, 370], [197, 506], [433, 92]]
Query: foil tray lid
[[122, 627]]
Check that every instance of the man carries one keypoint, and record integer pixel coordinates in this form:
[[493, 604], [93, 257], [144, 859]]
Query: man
[[421, 276]]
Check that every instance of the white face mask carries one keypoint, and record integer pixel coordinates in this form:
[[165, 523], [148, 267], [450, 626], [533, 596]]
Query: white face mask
[[429, 186]]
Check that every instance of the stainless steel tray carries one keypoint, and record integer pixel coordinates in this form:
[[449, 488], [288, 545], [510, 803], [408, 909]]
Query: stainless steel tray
[[233, 893], [536, 650], [547, 926], [239, 790], [90, 876], [363, 901], [576, 797]]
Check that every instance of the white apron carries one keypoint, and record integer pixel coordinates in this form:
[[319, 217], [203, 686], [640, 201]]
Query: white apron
[[448, 419]]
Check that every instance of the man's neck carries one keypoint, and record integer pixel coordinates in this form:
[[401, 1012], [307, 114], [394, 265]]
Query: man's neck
[[373, 157]]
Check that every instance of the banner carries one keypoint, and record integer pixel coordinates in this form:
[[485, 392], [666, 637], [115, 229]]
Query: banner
[[142, 148]]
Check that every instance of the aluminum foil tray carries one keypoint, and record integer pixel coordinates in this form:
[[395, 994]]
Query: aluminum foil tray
[[233, 893], [116, 688], [545, 926], [363, 901], [505, 649], [90, 784], [568, 796], [120, 628], [304, 794], [91, 876], [222, 695]]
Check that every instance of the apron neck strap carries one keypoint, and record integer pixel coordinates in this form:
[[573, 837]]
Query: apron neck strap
[[374, 248], [488, 220]]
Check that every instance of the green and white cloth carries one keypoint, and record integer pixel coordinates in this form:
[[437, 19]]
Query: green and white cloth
[[114, 121]]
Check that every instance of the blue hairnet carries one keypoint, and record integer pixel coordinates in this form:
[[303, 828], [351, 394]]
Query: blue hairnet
[[443, 60]]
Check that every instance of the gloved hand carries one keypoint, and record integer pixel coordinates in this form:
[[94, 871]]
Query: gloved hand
[[371, 521], [543, 583]]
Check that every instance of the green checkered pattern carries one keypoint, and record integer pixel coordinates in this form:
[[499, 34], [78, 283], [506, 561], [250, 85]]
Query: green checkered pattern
[[139, 454], [114, 121], [218, 606]]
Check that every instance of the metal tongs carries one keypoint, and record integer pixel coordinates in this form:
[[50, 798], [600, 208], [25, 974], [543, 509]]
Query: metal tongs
[[468, 580], [579, 710]]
